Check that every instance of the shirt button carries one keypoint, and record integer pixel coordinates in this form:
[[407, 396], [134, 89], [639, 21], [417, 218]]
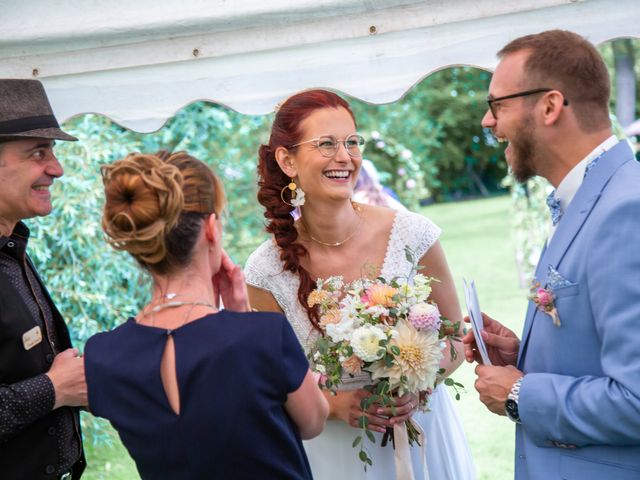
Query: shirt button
[[51, 431], [49, 357], [522, 457], [49, 469]]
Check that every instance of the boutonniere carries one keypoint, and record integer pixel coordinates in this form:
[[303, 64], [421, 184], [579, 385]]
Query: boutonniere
[[544, 300]]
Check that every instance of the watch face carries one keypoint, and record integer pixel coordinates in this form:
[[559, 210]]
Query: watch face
[[511, 408]]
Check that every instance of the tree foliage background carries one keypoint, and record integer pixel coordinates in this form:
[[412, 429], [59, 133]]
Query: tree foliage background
[[428, 147]]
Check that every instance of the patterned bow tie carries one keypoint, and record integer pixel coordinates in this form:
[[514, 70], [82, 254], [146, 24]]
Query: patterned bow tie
[[554, 203], [554, 207]]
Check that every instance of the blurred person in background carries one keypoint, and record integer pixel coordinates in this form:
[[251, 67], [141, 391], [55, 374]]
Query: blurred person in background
[[369, 190]]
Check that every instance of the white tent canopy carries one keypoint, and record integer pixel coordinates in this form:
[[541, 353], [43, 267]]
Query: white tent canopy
[[140, 61]]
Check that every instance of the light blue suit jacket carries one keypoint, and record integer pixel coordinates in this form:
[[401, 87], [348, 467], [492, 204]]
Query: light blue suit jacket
[[580, 398]]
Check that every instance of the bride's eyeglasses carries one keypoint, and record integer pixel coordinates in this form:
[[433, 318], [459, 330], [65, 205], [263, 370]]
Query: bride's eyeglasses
[[328, 145]]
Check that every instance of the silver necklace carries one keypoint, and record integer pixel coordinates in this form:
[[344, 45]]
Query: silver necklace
[[162, 306], [175, 304]]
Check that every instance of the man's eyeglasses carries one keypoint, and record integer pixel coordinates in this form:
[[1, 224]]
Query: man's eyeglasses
[[491, 101], [328, 145]]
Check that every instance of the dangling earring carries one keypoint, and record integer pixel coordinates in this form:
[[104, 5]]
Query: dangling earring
[[297, 195]]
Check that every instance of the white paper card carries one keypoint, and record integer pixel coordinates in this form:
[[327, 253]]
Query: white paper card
[[475, 315]]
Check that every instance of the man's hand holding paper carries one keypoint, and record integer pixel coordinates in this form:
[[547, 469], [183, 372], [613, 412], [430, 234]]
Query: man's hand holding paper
[[501, 343], [475, 318]]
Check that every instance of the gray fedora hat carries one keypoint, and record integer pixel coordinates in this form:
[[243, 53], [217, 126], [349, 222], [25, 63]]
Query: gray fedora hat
[[25, 112]]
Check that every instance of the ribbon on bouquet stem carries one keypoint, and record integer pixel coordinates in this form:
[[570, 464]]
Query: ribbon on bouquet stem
[[402, 455]]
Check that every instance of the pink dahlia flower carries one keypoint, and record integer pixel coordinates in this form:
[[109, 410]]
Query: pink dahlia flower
[[425, 316]]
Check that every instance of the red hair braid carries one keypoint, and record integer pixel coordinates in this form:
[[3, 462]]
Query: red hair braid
[[286, 131]]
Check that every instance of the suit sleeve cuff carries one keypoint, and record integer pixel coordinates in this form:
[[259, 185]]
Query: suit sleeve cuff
[[536, 409]]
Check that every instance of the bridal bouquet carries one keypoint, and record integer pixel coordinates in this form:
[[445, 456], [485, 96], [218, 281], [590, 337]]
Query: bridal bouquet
[[387, 329]]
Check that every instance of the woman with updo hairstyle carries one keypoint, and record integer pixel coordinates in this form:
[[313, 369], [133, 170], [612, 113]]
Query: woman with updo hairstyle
[[309, 167], [195, 391]]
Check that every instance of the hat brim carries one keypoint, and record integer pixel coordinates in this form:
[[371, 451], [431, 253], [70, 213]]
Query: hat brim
[[52, 133]]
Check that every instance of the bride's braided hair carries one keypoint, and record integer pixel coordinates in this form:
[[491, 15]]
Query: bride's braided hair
[[286, 131]]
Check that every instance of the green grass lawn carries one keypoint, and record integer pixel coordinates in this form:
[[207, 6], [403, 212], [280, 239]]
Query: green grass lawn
[[109, 462], [477, 241]]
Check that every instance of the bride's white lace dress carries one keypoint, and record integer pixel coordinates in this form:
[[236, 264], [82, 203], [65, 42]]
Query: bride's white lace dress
[[331, 454]]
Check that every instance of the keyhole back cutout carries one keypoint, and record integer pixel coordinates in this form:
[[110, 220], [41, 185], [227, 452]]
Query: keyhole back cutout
[[169, 376]]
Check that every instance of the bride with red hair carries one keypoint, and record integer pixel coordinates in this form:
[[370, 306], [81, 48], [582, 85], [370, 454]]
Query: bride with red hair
[[311, 163]]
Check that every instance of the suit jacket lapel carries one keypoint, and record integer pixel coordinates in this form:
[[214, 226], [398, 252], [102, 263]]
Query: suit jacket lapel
[[572, 221], [531, 308]]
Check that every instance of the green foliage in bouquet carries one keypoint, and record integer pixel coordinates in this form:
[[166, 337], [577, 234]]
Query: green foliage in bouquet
[[386, 333]]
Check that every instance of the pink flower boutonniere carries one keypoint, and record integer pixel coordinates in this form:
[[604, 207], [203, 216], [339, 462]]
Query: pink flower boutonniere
[[544, 300]]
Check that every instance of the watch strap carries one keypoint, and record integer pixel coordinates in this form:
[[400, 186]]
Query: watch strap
[[511, 405]]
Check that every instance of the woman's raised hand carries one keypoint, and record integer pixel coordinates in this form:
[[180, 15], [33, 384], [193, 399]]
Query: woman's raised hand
[[229, 286]]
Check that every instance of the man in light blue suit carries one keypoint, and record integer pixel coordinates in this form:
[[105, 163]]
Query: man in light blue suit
[[572, 384]]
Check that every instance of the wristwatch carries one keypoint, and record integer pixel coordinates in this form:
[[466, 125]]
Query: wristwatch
[[511, 405]]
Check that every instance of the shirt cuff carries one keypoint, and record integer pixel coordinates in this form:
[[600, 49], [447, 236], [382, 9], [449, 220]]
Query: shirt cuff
[[41, 387], [23, 403]]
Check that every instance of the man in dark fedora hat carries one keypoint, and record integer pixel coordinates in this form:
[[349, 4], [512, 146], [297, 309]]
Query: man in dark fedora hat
[[41, 376]]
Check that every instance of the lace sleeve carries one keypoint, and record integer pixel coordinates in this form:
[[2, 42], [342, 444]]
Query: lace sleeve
[[426, 233], [409, 230], [264, 270], [255, 269]]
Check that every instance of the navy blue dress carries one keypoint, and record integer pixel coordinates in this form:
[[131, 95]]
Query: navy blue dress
[[234, 372]]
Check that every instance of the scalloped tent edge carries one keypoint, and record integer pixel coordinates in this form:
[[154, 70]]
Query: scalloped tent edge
[[139, 63]]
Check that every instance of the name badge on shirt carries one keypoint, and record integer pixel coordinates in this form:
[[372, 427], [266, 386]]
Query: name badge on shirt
[[31, 338]]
